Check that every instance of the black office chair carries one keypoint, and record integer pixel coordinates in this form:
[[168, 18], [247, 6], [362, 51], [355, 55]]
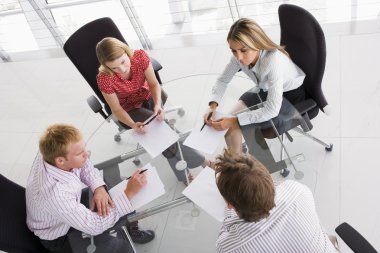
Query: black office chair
[[354, 239], [304, 40], [80, 48], [14, 233]]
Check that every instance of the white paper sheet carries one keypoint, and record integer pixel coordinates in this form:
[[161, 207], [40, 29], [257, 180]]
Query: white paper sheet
[[158, 137], [204, 193], [206, 140], [152, 190]]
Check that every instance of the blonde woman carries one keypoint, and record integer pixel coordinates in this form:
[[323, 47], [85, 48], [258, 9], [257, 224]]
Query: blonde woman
[[128, 83], [130, 87], [270, 69]]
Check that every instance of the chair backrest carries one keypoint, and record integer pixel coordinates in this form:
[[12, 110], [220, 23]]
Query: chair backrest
[[80, 48], [14, 233], [304, 40], [354, 239]]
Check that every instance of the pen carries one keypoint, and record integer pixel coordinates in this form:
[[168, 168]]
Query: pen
[[208, 117], [139, 173], [146, 123]]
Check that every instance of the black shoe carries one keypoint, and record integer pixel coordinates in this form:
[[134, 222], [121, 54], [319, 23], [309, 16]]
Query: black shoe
[[141, 236]]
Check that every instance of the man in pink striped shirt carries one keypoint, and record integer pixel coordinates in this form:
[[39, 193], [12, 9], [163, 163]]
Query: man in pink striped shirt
[[53, 195]]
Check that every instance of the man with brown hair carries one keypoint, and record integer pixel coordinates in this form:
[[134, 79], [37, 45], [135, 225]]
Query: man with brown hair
[[262, 217], [53, 194]]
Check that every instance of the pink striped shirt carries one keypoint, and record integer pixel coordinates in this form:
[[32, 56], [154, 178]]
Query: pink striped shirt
[[53, 201]]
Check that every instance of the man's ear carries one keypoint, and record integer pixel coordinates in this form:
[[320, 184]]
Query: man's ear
[[59, 161]]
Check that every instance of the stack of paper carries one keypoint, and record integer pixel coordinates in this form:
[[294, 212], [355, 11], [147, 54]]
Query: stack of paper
[[206, 140], [152, 190], [158, 136], [205, 194]]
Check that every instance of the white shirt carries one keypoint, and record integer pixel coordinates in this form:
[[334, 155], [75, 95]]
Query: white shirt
[[53, 201], [273, 72], [292, 226]]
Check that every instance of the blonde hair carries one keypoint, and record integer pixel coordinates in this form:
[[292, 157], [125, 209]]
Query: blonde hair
[[248, 33], [55, 140], [109, 49]]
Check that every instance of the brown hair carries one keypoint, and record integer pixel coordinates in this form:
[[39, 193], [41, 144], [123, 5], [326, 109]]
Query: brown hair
[[55, 140], [246, 184], [109, 49], [248, 33]]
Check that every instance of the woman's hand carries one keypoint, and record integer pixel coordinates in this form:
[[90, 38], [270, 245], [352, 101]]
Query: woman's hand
[[212, 110], [224, 123], [159, 111], [102, 201], [138, 127], [135, 184]]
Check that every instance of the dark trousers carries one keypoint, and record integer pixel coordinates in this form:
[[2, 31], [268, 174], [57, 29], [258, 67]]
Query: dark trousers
[[255, 134], [73, 242], [292, 97]]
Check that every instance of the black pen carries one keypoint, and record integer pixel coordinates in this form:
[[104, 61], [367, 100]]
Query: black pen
[[139, 173], [208, 117], [146, 123]]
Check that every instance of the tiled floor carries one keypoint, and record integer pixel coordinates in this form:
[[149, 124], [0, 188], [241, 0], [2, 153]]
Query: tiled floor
[[34, 94]]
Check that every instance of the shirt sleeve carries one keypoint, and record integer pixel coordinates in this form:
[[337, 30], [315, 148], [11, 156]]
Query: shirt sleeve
[[272, 105], [105, 83], [224, 79], [90, 176], [142, 59], [65, 207]]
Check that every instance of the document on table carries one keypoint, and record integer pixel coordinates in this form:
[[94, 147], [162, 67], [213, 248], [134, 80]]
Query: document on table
[[206, 140], [205, 194], [152, 190], [158, 137]]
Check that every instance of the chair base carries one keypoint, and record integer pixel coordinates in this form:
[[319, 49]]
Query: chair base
[[328, 146]]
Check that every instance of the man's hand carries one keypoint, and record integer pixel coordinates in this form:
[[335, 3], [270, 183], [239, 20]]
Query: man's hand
[[135, 184], [225, 123], [102, 201]]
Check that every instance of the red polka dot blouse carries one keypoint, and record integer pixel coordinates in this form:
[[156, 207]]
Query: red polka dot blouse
[[131, 93]]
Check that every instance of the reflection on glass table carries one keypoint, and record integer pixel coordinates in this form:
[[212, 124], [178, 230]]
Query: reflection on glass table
[[173, 211]]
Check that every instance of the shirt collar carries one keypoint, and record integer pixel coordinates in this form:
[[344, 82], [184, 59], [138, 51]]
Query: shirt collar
[[59, 174], [255, 68], [232, 219]]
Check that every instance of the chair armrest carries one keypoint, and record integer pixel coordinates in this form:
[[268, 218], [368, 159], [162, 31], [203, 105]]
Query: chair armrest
[[354, 239], [305, 106], [155, 64], [156, 67], [96, 106]]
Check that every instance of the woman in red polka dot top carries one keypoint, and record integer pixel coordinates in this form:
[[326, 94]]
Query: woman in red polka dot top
[[128, 83], [130, 87]]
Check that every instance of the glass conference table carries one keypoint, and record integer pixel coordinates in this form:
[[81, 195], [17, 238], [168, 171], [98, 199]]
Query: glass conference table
[[172, 211]]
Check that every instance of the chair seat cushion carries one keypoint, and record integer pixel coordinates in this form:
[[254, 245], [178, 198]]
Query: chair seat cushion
[[14, 233]]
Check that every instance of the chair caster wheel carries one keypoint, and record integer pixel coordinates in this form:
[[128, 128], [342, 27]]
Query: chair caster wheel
[[284, 172], [181, 112], [117, 137], [329, 149], [244, 149], [136, 161]]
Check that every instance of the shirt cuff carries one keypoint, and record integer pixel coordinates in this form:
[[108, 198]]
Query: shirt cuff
[[216, 98], [123, 205], [246, 118], [97, 183]]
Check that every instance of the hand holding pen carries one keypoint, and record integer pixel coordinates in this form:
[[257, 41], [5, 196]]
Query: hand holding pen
[[139, 127], [135, 183], [207, 119]]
